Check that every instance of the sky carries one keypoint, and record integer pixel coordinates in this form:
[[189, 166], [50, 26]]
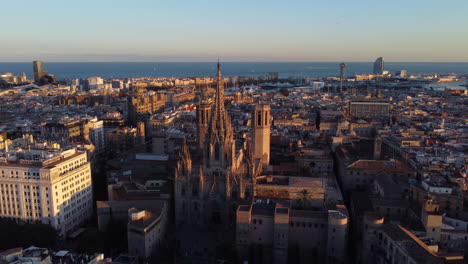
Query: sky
[[240, 30]]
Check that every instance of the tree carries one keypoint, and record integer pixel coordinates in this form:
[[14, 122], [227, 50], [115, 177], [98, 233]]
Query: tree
[[304, 198], [22, 234]]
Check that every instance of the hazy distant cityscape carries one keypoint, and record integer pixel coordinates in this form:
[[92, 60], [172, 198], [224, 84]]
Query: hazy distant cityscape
[[260, 168], [84, 70], [234, 132]]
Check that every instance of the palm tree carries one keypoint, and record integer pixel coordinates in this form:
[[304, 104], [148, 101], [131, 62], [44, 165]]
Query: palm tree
[[304, 198]]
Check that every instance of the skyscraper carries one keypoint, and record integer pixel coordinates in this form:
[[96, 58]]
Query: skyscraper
[[379, 66], [38, 67], [342, 75]]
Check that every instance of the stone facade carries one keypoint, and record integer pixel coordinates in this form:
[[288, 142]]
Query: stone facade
[[210, 186], [271, 231], [261, 121]]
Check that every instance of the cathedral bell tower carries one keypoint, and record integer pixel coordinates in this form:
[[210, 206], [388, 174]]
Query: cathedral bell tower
[[203, 117], [261, 121]]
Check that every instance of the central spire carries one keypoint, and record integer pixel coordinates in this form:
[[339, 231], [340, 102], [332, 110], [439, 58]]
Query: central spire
[[219, 119], [219, 87], [220, 142]]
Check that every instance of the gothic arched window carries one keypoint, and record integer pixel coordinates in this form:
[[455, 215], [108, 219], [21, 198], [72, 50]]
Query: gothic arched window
[[247, 193], [216, 151], [259, 118], [234, 195]]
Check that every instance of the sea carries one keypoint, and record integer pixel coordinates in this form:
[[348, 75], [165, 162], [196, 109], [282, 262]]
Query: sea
[[66, 70]]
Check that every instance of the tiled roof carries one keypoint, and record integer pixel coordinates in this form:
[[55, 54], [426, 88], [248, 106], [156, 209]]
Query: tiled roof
[[416, 249], [380, 165]]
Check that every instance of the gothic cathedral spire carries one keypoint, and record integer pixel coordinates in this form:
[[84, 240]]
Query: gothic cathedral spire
[[219, 90], [206, 191], [219, 122]]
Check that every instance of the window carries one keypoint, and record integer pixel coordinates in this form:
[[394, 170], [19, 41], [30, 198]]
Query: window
[[259, 118], [217, 152]]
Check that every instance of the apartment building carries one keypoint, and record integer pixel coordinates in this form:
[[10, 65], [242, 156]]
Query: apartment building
[[48, 185]]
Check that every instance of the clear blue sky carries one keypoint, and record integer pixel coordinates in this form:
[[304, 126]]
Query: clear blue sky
[[234, 30]]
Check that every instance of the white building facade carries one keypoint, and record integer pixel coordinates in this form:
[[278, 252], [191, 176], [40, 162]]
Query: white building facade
[[46, 185]]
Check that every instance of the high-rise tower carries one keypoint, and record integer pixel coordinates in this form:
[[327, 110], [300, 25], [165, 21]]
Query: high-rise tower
[[379, 66], [342, 75], [261, 120], [38, 67]]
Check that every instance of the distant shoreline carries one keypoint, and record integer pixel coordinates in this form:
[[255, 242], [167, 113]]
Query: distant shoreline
[[66, 70], [214, 62]]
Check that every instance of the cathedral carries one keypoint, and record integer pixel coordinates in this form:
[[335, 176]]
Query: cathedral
[[211, 182]]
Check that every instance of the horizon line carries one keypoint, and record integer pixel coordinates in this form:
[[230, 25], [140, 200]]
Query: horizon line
[[231, 61]]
